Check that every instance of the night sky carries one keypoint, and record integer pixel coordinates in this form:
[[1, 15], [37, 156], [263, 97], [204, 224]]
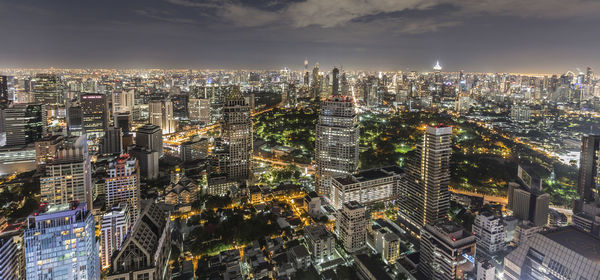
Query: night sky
[[475, 35]]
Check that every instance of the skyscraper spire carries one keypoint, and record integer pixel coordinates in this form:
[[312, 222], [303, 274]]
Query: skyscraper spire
[[437, 66]]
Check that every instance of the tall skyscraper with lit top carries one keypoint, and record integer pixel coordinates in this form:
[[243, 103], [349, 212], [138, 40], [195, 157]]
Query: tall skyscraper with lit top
[[336, 141], [60, 244], [236, 131], [427, 179]]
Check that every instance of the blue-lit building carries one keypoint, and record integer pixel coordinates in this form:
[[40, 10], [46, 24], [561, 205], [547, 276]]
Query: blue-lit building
[[60, 244]]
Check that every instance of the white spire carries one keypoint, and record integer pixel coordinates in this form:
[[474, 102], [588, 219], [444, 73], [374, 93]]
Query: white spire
[[437, 66]]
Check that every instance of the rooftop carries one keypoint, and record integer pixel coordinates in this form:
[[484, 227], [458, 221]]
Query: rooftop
[[580, 242]]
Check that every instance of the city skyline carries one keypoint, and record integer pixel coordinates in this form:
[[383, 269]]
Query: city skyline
[[499, 36]]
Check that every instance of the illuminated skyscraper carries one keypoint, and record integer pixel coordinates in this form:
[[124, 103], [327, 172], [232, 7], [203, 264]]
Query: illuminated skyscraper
[[94, 108], [123, 184], [427, 179], [60, 244], [336, 141], [24, 123], [46, 89], [68, 177], [588, 167], [316, 83], [236, 131], [335, 86], [161, 114], [114, 228]]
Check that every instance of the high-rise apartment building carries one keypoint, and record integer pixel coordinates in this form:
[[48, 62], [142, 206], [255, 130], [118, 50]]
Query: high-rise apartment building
[[489, 233], [336, 141], [447, 251], [60, 244], [351, 226], [145, 252], [123, 184], [94, 112], [150, 136], [114, 227], [427, 177], [161, 114], [68, 176]]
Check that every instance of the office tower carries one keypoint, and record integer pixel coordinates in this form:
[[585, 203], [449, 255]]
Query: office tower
[[94, 112], [320, 242], [194, 149], [336, 141], [12, 263], [112, 141], [68, 176], [147, 160], [530, 205], [236, 132], [427, 177], [74, 119], [45, 149], [60, 244], [199, 110], [150, 137], [23, 123], [367, 186], [123, 121], [316, 83], [351, 226], [123, 101], [161, 114], [344, 85], [447, 251], [3, 89], [562, 253], [114, 227], [47, 89], [588, 167], [489, 233], [145, 252], [123, 184], [335, 85]]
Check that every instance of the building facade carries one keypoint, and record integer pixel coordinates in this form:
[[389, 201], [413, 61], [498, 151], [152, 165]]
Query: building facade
[[447, 251], [60, 244], [336, 141], [351, 226], [123, 184], [427, 198]]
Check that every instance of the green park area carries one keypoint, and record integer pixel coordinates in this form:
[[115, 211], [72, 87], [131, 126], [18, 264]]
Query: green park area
[[483, 160]]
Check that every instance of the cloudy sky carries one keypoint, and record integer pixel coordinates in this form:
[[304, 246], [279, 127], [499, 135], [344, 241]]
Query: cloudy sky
[[474, 35]]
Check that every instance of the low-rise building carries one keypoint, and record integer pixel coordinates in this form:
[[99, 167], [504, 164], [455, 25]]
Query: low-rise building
[[367, 186], [321, 243]]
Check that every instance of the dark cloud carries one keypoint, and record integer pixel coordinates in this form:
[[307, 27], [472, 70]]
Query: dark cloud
[[490, 35]]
